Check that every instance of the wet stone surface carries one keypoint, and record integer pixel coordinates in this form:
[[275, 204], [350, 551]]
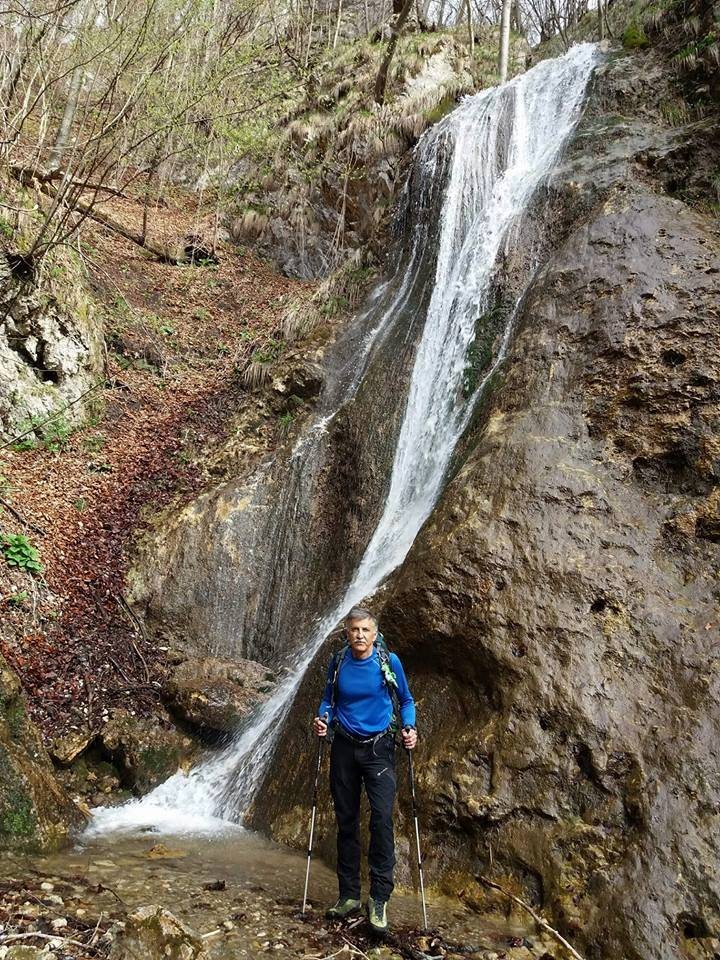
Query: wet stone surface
[[237, 894]]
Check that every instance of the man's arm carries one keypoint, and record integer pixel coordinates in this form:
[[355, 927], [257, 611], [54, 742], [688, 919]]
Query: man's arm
[[325, 710], [407, 704]]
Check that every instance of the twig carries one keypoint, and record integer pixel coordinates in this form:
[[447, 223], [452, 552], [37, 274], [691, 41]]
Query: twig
[[138, 626], [313, 956], [56, 413], [95, 931], [536, 916], [21, 518], [355, 948], [45, 936]]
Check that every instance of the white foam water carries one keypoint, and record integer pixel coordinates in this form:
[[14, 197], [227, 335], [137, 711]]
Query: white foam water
[[493, 152]]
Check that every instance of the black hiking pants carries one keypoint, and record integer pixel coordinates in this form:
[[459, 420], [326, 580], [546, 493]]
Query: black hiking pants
[[352, 765]]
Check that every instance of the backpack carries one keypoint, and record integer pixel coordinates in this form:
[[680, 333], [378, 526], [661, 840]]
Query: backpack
[[389, 678]]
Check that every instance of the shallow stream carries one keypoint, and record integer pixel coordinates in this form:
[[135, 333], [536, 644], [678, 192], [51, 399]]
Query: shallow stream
[[241, 893]]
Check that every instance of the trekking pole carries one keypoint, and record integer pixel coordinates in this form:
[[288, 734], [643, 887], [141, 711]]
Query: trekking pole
[[417, 830], [321, 745]]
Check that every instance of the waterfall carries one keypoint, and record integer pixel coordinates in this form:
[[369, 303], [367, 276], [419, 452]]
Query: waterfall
[[481, 166]]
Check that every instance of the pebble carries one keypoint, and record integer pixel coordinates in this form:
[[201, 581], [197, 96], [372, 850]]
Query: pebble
[[59, 923], [228, 924], [46, 885]]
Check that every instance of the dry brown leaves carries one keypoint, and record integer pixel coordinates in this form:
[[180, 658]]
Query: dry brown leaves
[[75, 649]]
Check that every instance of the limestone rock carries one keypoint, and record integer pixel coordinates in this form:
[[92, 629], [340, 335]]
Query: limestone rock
[[558, 613], [50, 347], [215, 695], [22, 952], [145, 751], [153, 933], [35, 812]]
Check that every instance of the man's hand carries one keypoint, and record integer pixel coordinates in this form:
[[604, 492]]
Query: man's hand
[[320, 726], [409, 736]]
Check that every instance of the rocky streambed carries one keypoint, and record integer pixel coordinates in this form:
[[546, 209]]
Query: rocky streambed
[[234, 895]]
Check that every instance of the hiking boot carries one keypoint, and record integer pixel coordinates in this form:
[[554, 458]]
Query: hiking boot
[[343, 908], [377, 915]]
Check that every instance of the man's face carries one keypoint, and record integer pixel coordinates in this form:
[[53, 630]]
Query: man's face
[[361, 636]]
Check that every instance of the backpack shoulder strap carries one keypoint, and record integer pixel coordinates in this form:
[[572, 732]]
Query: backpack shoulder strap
[[338, 658], [389, 679]]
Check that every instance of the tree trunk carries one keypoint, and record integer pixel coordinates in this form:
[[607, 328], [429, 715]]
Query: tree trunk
[[63, 135], [395, 30], [310, 33], [505, 39], [601, 20], [471, 32], [517, 18], [337, 23]]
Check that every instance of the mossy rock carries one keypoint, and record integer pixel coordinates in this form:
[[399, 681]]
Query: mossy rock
[[144, 750], [35, 811], [153, 933]]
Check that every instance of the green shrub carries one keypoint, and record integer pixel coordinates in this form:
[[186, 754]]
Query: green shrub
[[634, 37], [19, 552], [56, 434]]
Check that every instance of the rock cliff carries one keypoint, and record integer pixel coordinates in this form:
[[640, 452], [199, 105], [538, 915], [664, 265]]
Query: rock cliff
[[558, 613]]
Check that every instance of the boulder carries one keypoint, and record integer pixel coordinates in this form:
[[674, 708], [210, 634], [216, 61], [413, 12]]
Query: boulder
[[50, 346], [143, 749], [215, 695], [153, 933], [35, 811]]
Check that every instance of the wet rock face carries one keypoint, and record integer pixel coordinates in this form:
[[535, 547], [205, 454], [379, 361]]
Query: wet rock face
[[35, 812], [559, 612], [50, 352], [215, 695], [558, 615]]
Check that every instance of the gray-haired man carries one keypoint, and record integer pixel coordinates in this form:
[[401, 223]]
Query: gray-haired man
[[362, 682]]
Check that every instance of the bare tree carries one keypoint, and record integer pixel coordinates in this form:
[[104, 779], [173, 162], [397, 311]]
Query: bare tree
[[395, 30], [505, 39]]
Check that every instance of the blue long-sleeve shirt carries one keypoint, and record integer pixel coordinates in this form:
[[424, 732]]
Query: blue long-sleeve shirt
[[364, 705]]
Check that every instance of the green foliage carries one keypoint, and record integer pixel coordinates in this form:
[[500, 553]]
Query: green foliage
[[55, 434], [18, 818], [17, 599], [481, 351], [19, 552], [286, 420], [268, 352], [94, 442], [634, 36], [334, 305], [6, 228]]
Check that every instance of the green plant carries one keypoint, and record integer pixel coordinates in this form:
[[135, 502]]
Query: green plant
[[634, 37], [268, 352], [200, 313], [6, 229], [80, 504], [94, 442], [17, 599], [55, 434], [286, 420], [19, 552]]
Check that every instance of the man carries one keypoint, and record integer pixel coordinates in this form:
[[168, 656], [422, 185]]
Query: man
[[363, 682]]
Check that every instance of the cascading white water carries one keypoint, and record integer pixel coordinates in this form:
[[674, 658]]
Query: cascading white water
[[494, 151]]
